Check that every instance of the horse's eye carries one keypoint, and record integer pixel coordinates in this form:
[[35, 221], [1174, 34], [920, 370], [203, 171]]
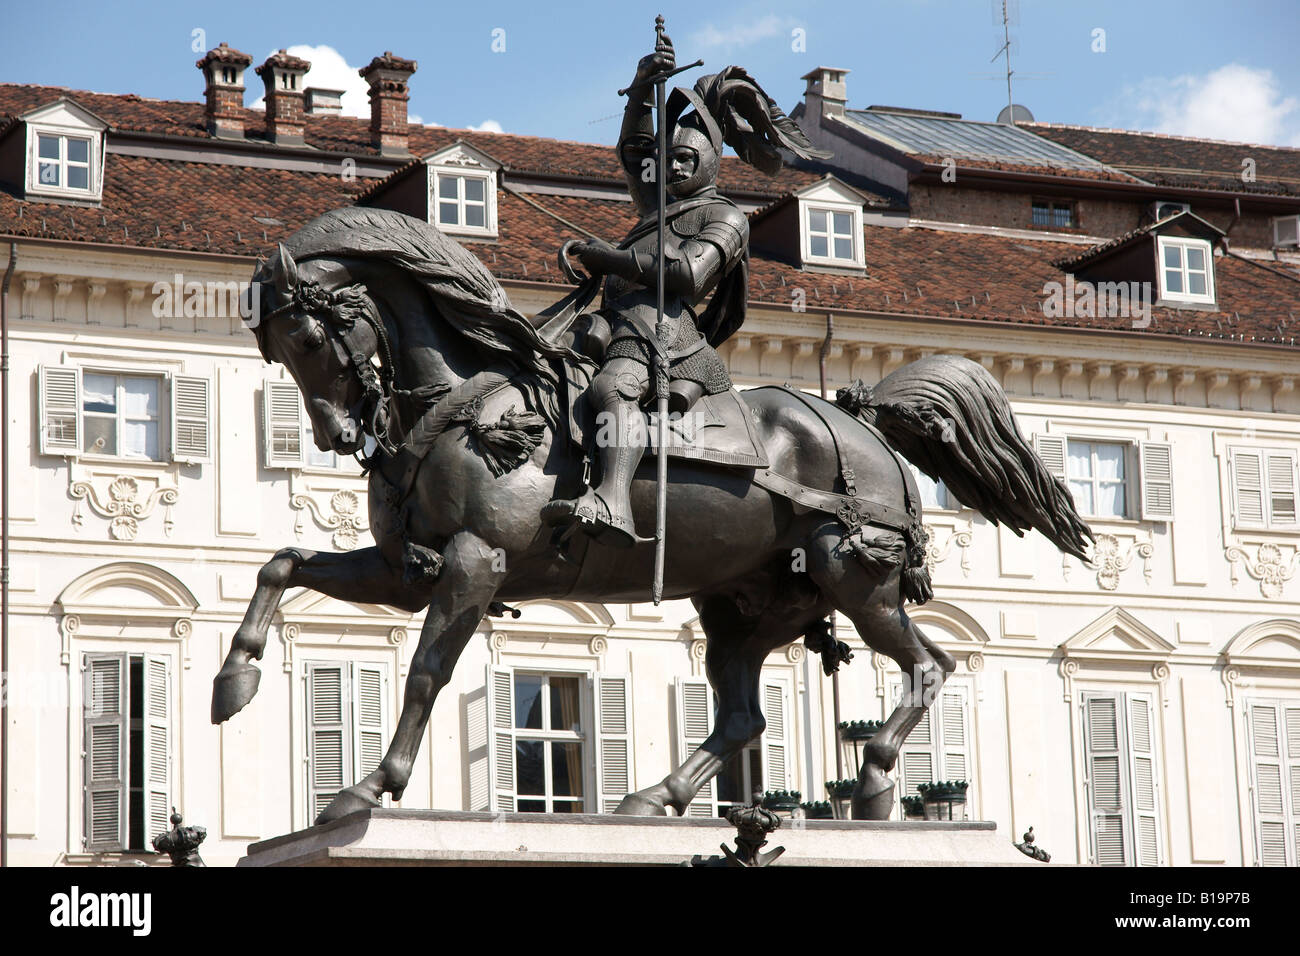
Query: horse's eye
[[315, 338]]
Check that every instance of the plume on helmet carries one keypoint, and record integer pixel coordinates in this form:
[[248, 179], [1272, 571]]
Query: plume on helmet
[[749, 120]]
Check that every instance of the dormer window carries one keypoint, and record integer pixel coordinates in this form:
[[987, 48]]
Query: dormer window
[[830, 225], [63, 162], [830, 235], [1186, 269], [462, 201], [65, 153], [462, 193]]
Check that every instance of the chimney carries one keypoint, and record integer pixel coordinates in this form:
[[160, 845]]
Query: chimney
[[223, 69], [283, 75], [826, 92], [322, 102], [387, 76]]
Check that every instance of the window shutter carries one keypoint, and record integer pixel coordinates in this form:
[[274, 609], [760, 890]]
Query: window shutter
[[501, 737], [479, 754], [778, 774], [1268, 772], [282, 430], [694, 724], [1248, 489], [1157, 480], [1051, 449], [191, 433], [369, 718], [60, 410], [328, 739], [1281, 468], [158, 747], [613, 740], [1142, 774], [954, 733], [1102, 727], [105, 750]]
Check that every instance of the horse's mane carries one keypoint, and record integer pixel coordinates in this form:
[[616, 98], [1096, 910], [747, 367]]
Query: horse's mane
[[465, 293]]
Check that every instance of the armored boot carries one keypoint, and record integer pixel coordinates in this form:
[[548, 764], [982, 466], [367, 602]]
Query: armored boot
[[605, 512]]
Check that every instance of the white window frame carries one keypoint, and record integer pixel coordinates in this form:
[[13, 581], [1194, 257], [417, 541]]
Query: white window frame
[[1183, 244], [460, 227], [1266, 491], [1125, 483], [284, 414], [806, 209], [95, 165], [549, 735], [120, 418], [184, 414]]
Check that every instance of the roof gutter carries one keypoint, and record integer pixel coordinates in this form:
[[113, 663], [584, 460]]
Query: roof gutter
[[1012, 178]]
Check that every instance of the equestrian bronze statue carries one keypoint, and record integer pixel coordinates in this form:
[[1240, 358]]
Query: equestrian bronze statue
[[510, 458]]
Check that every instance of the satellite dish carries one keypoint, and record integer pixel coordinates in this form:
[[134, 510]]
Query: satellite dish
[[1015, 113]]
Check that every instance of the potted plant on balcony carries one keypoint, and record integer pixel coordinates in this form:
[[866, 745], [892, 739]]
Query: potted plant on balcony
[[944, 800]]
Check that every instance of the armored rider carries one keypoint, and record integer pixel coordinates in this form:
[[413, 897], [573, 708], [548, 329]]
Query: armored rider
[[706, 251]]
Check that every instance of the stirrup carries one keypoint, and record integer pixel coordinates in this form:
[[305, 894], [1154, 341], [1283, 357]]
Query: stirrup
[[591, 514]]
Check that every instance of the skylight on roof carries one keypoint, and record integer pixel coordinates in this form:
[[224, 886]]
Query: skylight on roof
[[941, 136]]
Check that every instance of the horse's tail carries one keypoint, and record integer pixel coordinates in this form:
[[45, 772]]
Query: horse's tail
[[949, 417]]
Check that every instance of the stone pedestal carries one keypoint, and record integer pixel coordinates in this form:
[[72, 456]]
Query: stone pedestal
[[452, 838]]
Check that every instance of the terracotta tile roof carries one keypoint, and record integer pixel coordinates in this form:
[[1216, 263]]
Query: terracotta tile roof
[[193, 206], [165, 204], [1183, 161], [520, 154]]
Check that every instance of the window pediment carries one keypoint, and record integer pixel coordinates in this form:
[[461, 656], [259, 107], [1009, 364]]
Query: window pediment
[[1270, 644], [462, 185], [1117, 636], [127, 584]]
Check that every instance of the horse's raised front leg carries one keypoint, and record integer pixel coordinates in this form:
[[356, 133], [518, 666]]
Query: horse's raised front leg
[[361, 576], [470, 579]]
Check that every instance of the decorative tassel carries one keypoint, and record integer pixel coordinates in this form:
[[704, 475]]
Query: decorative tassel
[[507, 444], [916, 585], [420, 565], [880, 554]]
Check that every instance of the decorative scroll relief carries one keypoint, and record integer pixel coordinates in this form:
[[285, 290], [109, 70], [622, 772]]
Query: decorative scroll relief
[[936, 554], [1114, 554], [125, 500], [1270, 566], [338, 509]]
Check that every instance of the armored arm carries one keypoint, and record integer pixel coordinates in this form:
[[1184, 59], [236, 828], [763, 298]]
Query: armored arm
[[636, 139], [692, 269]]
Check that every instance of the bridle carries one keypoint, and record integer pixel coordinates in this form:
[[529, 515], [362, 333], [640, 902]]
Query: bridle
[[341, 309]]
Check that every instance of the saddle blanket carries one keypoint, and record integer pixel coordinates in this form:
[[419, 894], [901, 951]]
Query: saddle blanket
[[718, 429]]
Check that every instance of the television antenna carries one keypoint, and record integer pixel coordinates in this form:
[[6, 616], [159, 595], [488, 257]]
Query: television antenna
[[1006, 13]]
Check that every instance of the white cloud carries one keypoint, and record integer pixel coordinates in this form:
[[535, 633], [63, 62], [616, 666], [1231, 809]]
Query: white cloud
[[1234, 102], [329, 71], [488, 126], [742, 33]]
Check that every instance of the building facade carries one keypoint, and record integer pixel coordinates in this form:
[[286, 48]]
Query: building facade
[[1133, 294]]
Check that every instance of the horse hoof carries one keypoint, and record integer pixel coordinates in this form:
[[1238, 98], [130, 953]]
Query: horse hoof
[[873, 797], [348, 801], [635, 805], [232, 689]]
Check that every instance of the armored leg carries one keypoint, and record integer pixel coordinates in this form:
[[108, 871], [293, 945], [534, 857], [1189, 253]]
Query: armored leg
[[606, 510]]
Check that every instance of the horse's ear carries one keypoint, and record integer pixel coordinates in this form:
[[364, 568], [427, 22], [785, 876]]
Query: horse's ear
[[285, 272]]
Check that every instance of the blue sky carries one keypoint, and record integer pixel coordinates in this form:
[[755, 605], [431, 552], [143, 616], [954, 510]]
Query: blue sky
[[1215, 69]]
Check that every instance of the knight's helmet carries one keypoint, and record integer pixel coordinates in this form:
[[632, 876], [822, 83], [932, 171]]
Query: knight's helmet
[[731, 108]]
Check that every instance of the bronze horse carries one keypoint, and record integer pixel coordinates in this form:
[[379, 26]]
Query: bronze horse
[[395, 333]]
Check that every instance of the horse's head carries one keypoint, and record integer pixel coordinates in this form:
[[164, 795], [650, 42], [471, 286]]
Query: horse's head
[[327, 332]]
